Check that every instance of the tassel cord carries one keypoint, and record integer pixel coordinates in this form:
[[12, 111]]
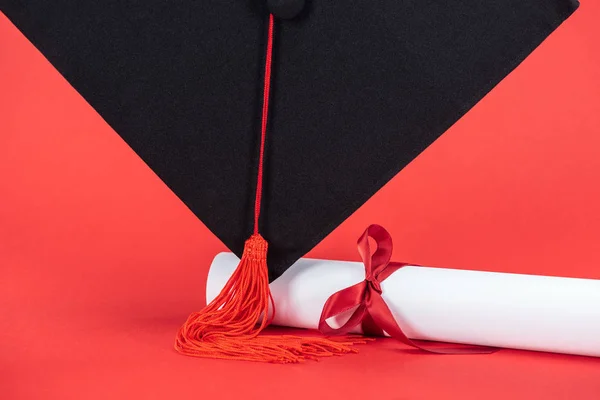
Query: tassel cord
[[230, 326]]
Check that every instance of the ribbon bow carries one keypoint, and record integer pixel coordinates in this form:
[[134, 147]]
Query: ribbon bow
[[370, 308]]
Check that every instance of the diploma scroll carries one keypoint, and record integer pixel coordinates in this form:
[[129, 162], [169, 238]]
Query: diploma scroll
[[529, 312]]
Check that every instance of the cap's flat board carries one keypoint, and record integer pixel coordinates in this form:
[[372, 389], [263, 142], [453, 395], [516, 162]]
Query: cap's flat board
[[359, 91]]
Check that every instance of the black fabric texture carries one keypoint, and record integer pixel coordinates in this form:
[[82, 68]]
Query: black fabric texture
[[285, 9], [360, 89]]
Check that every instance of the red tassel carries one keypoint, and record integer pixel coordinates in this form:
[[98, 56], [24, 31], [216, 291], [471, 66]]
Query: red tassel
[[229, 327]]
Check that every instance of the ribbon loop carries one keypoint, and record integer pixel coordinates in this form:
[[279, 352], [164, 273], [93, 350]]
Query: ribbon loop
[[353, 298], [371, 310], [378, 261]]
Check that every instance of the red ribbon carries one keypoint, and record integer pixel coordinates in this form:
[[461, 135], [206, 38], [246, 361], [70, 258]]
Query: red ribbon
[[371, 310]]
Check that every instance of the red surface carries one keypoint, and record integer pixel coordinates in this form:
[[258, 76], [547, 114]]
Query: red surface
[[100, 263]]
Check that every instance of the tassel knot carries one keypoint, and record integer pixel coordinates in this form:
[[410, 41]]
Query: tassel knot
[[256, 248]]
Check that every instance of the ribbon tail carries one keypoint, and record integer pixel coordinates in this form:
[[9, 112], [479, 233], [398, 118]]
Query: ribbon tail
[[369, 327]]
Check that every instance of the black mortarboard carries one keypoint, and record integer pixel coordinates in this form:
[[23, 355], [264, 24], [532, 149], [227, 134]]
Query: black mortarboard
[[358, 90]]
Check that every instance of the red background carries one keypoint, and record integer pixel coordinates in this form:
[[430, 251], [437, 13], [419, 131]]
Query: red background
[[100, 263]]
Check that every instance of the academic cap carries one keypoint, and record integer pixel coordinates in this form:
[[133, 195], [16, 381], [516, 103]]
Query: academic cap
[[357, 90]]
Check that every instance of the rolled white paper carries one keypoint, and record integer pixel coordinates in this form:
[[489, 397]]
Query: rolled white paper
[[529, 312]]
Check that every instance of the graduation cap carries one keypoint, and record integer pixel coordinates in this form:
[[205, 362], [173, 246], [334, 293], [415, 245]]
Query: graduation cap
[[274, 120]]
